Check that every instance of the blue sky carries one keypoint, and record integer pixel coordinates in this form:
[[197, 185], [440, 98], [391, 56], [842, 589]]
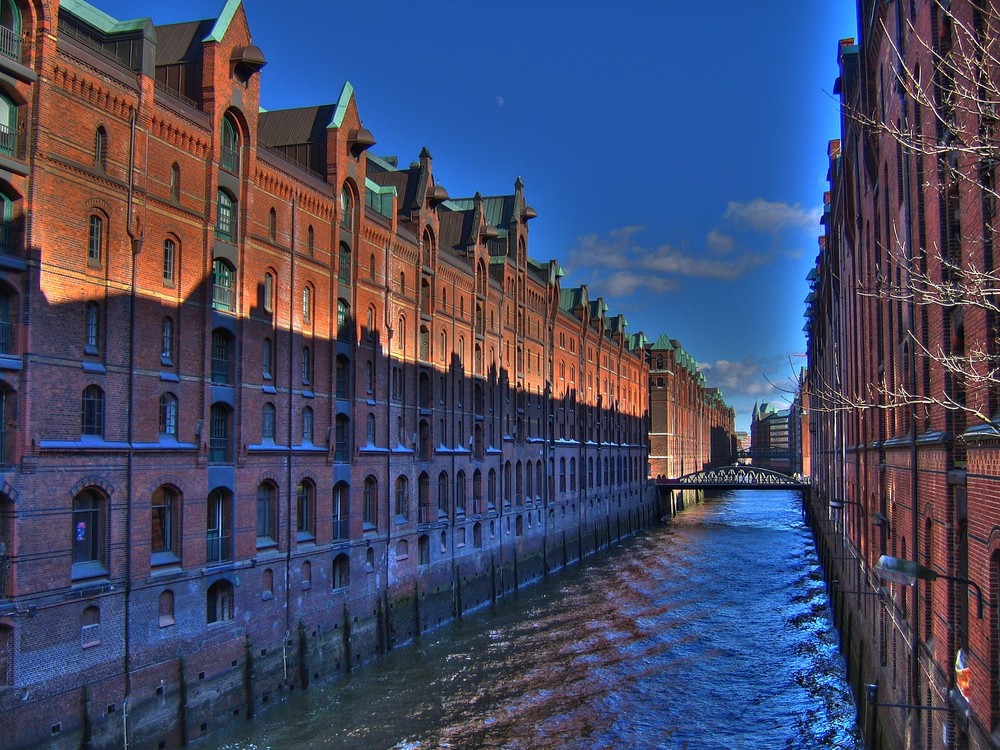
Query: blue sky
[[675, 151]]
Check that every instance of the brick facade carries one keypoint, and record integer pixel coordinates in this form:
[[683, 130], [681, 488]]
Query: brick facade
[[902, 400], [270, 403]]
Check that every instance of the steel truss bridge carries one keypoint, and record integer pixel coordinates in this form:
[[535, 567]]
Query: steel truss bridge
[[733, 478]]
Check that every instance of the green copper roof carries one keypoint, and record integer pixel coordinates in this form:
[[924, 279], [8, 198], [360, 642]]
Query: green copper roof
[[101, 20], [663, 343], [342, 103], [223, 21]]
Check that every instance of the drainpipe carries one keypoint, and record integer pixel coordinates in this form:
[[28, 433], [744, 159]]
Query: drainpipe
[[135, 242], [289, 503], [390, 485]]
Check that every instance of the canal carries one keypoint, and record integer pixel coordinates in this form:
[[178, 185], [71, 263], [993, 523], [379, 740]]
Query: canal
[[713, 631]]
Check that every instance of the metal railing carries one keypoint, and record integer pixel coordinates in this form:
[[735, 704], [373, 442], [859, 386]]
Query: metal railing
[[217, 548], [12, 44], [222, 297], [341, 529]]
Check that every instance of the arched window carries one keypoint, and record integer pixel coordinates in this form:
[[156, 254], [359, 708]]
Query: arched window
[[10, 46], [168, 415], [218, 527], [311, 240], [267, 514], [219, 602], [268, 419], [491, 497], [402, 549], [225, 223], [272, 224], [267, 359], [88, 534], [95, 241], [346, 209], [100, 148], [8, 120], [169, 259], [424, 549], [343, 377], [164, 508], [167, 341], [341, 498], [307, 305], [402, 498], [8, 429], [166, 618], [90, 627], [343, 320], [307, 426], [305, 511], [268, 292], [370, 511], [370, 430], [92, 418], [341, 571], [175, 182], [344, 264], [423, 498], [223, 286], [92, 343], [460, 493], [307, 365], [442, 495], [229, 154]]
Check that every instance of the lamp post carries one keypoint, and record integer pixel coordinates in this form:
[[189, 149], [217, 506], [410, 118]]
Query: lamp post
[[908, 572]]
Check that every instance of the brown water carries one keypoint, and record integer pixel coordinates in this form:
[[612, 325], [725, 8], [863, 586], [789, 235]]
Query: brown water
[[711, 632]]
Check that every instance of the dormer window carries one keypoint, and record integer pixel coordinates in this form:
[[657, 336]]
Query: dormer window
[[229, 155]]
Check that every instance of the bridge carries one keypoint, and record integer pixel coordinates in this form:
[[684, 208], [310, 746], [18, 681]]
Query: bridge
[[738, 477]]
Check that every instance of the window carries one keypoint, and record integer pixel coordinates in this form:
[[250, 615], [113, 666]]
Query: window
[[220, 449], [223, 286], [175, 182], [346, 209], [311, 240], [369, 378], [341, 497], [164, 505], [88, 533], [341, 446], [222, 357], [305, 511], [169, 254], [92, 343], [460, 493], [101, 149], [167, 341], [267, 511], [370, 517], [267, 355], [424, 549], [341, 571], [219, 602], [225, 223], [370, 430], [218, 527], [343, 320], [92, 420], [402, 498], [343, 371], [268, 419], [306, 365], [344, 264], [168, 415], [8, 119], [10, 45], [272, 224], [90, 627], [229, 156], [307, 304], [442, 495], [268, 292], [166, 618], [307, 426], [95, 241]]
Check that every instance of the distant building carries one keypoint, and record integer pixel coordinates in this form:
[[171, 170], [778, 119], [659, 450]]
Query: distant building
[[771, 433], [691, 426]]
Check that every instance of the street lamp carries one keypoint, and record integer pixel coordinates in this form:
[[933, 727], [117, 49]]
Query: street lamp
[[839, 504], [908, 572]]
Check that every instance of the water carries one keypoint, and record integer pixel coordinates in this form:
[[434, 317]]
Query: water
[[712, 632]]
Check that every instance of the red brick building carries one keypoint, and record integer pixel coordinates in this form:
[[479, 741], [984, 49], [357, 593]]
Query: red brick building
[[902, 390], [271, 404], [691, 426]]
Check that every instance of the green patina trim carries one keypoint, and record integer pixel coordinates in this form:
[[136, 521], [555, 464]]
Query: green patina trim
[[346, 95], [380, 189], [101, 20], [222, 22]]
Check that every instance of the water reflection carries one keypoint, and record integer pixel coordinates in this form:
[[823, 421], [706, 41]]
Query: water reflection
[[712, 632]]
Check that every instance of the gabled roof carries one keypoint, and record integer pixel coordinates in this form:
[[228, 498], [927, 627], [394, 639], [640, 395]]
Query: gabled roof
[[101, 20], [181, 42], [497, 209], [286, 127], [664, 343]]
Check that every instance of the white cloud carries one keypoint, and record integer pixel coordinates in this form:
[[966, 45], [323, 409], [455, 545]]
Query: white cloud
[[720, 242], [499, 100], [749, 378], [771, 216]]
